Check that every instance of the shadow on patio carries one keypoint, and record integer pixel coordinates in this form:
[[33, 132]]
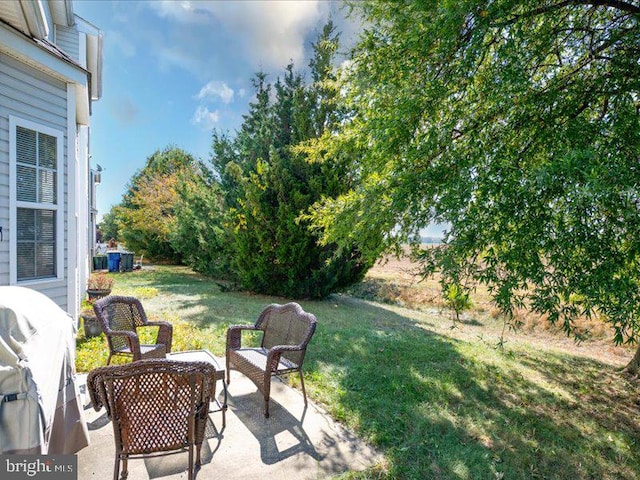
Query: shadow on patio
[[294, 443]]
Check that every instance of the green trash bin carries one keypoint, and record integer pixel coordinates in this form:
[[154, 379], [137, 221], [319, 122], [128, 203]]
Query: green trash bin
[[126, 261], [100, 262]]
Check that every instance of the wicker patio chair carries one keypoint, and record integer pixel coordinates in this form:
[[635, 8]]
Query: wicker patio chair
[[157, 407], [286, 331], [119, 318]]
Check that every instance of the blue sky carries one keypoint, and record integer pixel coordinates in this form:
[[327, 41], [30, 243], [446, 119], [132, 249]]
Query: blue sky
[[174, 70]]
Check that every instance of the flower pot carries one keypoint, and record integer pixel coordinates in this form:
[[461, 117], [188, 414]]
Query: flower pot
[[91, 325], [95, 294]]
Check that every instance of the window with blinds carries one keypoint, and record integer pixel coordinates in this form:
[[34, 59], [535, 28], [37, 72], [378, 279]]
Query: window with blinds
[[36, 204]]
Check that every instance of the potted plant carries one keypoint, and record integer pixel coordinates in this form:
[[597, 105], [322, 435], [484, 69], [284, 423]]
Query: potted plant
[[98, 286], [89, 320]]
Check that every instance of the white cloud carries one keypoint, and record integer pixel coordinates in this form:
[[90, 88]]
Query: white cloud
[[274, 32], [184, 11], [216, 89], [270, 32], [204, 118]]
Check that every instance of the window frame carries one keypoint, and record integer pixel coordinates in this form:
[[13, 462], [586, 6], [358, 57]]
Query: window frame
[[14, 204]]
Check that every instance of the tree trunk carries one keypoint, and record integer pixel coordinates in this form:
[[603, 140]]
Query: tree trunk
[[633, 366]]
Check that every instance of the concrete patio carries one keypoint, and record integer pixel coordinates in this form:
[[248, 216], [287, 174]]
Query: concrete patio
[[293, 443]]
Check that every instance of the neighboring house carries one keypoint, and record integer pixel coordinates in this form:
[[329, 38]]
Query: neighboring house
[[50, 73]]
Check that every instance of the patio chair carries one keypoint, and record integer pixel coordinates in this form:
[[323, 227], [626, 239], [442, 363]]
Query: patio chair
[[286, 330], [157, 407], [120, 317]]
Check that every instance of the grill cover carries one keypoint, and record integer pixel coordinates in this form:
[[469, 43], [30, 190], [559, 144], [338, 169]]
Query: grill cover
[[40, 407]]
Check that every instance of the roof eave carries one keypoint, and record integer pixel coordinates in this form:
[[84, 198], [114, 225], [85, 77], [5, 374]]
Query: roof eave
[[35, 17], [33, 53]]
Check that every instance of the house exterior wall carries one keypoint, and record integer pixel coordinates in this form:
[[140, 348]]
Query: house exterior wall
[[50, 73], [67, 39], [33, 96]]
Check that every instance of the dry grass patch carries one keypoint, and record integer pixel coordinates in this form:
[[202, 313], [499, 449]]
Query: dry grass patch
[[396, 281]]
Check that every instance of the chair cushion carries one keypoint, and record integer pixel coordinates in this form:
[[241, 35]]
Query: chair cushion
[[153, 351], [146, 351], [258, 358]]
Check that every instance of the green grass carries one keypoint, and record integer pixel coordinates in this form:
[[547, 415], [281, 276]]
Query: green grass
[[435, 405]]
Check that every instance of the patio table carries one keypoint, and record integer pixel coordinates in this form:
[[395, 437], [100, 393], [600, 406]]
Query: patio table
[[207, 356]]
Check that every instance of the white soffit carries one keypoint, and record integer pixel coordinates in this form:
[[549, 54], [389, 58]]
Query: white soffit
[[94, 64], [11, 13], [83, 113], [61, 12], [28, 18], [34, 15], [94, 45], [13, 44]]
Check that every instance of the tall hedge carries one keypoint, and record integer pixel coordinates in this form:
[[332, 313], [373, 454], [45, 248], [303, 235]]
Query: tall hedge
[[269, 185]]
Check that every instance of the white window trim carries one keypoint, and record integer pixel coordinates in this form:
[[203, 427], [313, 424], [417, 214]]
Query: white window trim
[[15, 122]]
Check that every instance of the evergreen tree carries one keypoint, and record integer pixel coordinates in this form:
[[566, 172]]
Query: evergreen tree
[[199, 234], [269, 185]]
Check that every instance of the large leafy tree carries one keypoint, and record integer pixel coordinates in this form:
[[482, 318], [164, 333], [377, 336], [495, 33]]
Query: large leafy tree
[[517, 123], [199, 233], [109, 226], [146, 215], [268, 185]]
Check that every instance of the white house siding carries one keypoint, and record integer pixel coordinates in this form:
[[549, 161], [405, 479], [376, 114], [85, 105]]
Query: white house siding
[[34, 96], [4, 186], [86, 230], [67, 39]]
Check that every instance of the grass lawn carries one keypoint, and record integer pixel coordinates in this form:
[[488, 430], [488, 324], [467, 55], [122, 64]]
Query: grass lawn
[[441, 402]]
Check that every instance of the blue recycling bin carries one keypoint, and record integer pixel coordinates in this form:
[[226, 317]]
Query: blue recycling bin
[[114, 261]]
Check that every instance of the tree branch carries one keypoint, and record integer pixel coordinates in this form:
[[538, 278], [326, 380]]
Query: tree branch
[[617, 4]]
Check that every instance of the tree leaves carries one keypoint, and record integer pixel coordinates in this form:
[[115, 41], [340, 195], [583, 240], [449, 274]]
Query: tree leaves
[[146, 215], [515, 123]]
